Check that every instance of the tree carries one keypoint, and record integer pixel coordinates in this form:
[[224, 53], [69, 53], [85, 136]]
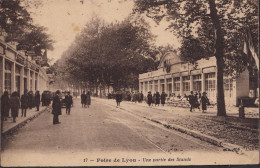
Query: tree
[[16, 22], [210, 25], [110, 54]]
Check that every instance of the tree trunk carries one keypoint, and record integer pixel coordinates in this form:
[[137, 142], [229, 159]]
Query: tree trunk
[[219, 54]]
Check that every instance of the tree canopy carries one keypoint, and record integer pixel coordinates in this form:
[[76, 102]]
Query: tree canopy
[[110, 54], [17, 23]]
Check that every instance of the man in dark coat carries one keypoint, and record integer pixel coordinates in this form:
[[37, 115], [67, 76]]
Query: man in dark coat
[[83, 99], [5, 106], [68, 102], [192, 100], [157, 98], [163, 98], [149, 98], [37, 100], [24, 103], [118, 98], [15, 105], [56, 107]]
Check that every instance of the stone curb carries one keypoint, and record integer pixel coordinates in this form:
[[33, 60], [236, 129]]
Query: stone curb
[[12, 129], [206, 138]]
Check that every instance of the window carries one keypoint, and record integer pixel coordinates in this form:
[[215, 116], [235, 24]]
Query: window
[[228, 84], [186, 86], [176, 86], [151, 85], [197, 86], [210, 75], [196, 82], [8, 66], [210, 85], [196, 77], [185, 78], [145, 86]]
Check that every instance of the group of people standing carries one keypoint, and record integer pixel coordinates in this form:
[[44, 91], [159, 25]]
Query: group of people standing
[[85, 99], [15, 102], [156, 98], [196, 100]]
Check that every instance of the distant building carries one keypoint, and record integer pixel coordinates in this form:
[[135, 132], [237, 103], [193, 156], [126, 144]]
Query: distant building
[[177, 77], [18, 71]]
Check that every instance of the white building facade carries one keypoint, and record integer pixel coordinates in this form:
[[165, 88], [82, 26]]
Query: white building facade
[[19, 72], [177, 77]]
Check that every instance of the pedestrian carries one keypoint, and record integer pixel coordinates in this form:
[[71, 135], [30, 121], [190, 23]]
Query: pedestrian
[[204, 102], [118, 98], [37, 100], [24, 103], [141, 97], [56, 107], [157, 98], [30, 99], [15, 105], [149, 98], [83, 99], [191, 100], [154, 99], [88, 99], [163, 98], [68, 102], [5, 106]]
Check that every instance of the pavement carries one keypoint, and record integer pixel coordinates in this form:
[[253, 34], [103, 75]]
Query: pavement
[[9, 126], [101, 133], [231, 132]]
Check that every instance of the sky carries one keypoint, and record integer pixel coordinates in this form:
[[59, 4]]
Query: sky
[[65, 18]]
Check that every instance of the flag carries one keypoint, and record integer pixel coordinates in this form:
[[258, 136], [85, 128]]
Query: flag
[[250, 49]]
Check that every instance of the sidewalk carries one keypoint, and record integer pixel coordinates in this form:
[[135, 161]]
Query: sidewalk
[[9, 125], [221, 131]]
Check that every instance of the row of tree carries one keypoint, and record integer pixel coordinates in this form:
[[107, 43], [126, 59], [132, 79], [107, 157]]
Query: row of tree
[[109, 54], [17, 23]]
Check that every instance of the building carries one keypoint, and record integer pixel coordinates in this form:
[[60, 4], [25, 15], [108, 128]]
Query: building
[[178, 77], [18, 71]]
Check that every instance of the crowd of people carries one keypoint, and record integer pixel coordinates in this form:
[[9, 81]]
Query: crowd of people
[[28, 100], [197, 100]]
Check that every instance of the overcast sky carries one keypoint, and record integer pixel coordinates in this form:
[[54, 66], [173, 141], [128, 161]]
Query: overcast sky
[[65, 18]]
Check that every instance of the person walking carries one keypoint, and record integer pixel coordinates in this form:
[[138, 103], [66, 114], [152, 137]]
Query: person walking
[[68, 102], [154, 99], [83, 99], [157, 98], [88, 99], [191, 99], [24, 103], [149, 98], [56, 107], [163, 98], [5, 106], [15, 105], [118, 98], [37, 100], [204, 102]]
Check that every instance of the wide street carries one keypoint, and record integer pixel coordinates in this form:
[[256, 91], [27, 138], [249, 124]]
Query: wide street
[[106, 132]]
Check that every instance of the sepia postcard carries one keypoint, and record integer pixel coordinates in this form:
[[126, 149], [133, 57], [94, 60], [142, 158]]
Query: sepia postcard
[[129, 82]]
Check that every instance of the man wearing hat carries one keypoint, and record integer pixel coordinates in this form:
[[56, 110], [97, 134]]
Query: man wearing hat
[[192, 100], [56, 107], [68, 102], [149, 98]]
